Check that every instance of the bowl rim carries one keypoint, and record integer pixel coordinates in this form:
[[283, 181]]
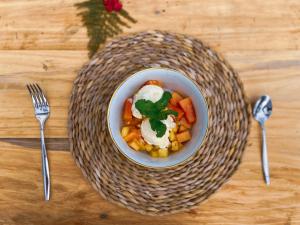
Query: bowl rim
[[123, 153]]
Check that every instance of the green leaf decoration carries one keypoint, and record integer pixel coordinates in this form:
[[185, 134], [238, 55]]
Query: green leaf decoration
[[156, 111], [147, 108], [163, 115], [158, 126], [163, 102]]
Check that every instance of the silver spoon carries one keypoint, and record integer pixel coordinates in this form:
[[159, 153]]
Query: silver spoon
[[261, 112]]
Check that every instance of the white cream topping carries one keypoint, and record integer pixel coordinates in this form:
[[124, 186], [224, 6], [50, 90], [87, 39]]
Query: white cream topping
[[147, 92], [150, 136]]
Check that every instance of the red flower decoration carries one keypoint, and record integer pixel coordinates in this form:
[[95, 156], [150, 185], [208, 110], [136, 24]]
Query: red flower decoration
[[112, 5]]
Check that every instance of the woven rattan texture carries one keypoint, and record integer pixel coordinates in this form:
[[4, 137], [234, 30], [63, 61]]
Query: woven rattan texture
[[145, 190]]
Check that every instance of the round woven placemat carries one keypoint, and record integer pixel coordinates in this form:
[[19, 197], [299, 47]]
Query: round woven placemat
[[145, 190]]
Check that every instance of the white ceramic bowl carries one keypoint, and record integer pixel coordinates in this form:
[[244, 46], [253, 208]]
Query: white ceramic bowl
[[172, 80]]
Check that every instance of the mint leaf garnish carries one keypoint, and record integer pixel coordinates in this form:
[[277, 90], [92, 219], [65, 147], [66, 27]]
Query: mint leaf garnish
[[158, 126], [163, 115], [147, 108], [156, 111], [163, 102]]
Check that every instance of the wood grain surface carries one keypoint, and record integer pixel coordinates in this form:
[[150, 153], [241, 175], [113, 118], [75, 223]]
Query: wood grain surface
[[48, 41]]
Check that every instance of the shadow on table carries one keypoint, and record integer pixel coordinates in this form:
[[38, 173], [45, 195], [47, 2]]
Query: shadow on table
[[101, 24]]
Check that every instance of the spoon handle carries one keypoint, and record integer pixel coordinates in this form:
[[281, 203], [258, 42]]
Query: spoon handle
[[265, 162]]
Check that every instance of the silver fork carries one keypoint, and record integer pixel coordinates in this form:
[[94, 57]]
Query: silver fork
[[42, 111]]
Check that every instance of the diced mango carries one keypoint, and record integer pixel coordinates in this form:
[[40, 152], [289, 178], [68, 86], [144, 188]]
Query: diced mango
[[180, 145], [133, 134], [154, 82], [175, 98], [163, 152], [156, 147], [184, 136], [175, 129], [182, 128], [175, 146], [124, 131], [188, 108], [141, 143], [134, 145], [154, 153], [172, 136], [178, 110], [134, 122], [148, 147], [127, 114], [185, 123]]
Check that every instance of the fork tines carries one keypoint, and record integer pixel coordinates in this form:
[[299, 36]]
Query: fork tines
[[37, 95]]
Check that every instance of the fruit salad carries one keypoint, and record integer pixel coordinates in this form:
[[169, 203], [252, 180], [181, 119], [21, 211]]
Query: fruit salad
[[156, 120]]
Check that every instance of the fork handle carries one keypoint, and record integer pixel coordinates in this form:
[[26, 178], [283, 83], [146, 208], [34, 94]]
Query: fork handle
[[45, 167]]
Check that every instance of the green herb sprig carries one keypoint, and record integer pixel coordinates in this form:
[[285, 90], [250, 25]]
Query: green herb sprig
[[156, 111]]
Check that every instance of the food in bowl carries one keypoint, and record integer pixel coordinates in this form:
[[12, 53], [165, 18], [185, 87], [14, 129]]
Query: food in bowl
[[171, 80], [157, 120]]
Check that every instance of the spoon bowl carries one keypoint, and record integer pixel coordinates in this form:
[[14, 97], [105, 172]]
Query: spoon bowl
[[262, 109]]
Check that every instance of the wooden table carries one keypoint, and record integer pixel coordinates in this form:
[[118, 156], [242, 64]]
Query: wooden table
[[46, 42]]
